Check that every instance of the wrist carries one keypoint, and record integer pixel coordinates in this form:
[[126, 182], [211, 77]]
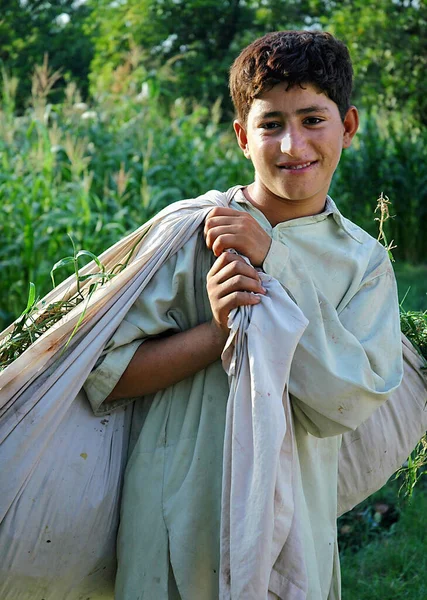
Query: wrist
[[263, 252], [218, 335]]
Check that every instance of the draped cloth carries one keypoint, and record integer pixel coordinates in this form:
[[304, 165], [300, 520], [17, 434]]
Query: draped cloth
[[260, 465], [62, 467]]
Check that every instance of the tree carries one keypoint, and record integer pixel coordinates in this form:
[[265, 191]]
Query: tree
[[29, 29], [388, 44]]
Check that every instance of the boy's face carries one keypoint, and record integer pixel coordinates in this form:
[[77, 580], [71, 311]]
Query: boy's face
[[294, 138]]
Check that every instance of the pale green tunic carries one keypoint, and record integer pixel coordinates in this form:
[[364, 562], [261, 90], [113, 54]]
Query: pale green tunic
[[349, 359]]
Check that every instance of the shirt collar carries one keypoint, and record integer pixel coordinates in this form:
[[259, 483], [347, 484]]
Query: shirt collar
[[331, 209]]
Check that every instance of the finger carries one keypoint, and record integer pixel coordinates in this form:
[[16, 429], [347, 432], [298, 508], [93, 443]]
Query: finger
[[239, 283], [236, 269], [237, 219], [213, 233], [225, 240], [235, 300], [212, 222], [223, 216], [229, 265], [221, 211], [225, 259]]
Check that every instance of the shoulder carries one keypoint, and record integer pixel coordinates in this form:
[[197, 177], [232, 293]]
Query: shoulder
[[370, 251]]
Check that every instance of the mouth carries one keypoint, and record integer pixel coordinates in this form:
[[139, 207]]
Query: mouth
[[296, 166]]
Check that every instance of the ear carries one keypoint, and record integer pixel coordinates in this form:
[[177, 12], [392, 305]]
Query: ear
[[242, 138], [351, 125]]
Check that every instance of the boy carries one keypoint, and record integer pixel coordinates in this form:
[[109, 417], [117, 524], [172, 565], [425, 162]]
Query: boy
[[291, 91]]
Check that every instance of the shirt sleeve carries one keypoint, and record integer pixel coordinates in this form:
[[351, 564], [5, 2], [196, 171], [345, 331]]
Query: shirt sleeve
[[349, 359], [159, 309]]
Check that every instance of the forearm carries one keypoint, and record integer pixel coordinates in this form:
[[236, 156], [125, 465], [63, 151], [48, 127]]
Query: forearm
[[162, 362]]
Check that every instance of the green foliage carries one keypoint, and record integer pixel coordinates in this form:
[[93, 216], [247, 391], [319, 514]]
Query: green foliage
[[412, 285], [97, 172], [39, 316], [387, 41], [388, 45], [393, 565], [414, 326], [199, 39], [373, 519], [30, 29], [388, 155]]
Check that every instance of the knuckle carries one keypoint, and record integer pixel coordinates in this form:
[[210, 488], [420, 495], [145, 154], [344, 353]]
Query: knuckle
[[231, 267], [223, 259], [238, 266], [222, 256]]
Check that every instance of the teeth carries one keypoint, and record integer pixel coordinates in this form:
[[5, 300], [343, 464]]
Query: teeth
[[296, 167]]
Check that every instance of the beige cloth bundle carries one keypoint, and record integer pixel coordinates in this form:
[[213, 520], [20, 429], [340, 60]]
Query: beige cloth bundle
[[62, 467], [371, 453]]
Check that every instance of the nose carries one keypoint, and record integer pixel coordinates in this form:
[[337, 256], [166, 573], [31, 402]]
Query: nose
[[292, 141]]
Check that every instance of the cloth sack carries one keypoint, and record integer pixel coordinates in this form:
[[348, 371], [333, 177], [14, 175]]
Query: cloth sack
[[62, 467], [370, 454]]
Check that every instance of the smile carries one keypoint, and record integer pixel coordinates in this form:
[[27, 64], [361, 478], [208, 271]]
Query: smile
[[296, 167]]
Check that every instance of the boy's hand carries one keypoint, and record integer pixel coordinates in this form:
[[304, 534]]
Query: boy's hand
[[228, 228], [229, 283]]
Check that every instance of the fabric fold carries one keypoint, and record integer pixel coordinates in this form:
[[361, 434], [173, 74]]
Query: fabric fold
[[260, 460]]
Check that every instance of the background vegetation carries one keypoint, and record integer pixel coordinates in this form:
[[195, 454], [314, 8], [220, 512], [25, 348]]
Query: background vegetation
[[110, 110], [130, 111], [95, 171], [383, 544]]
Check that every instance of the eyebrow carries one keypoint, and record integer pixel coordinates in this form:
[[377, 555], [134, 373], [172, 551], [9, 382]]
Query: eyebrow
[[315, 108]]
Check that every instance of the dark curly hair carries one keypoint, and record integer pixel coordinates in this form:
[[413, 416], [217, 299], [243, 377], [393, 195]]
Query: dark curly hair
[[295, 57]]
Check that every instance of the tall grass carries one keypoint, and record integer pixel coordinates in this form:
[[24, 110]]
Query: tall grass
[[388, 155], [97, 172]]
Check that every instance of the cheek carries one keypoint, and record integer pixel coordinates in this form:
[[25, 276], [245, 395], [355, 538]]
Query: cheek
[[258, 152], [332, 150]]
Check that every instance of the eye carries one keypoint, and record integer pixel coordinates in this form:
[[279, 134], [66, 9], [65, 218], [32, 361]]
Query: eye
[[313, 121], [270, 125]]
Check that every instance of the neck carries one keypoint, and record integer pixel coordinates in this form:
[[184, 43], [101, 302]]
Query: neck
[[277, 210]]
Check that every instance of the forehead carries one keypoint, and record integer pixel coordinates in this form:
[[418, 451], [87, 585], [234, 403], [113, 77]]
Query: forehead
[[295, 100]]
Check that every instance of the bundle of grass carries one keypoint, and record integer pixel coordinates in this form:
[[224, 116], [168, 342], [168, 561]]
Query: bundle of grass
[[414, 326], [39, 316]]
